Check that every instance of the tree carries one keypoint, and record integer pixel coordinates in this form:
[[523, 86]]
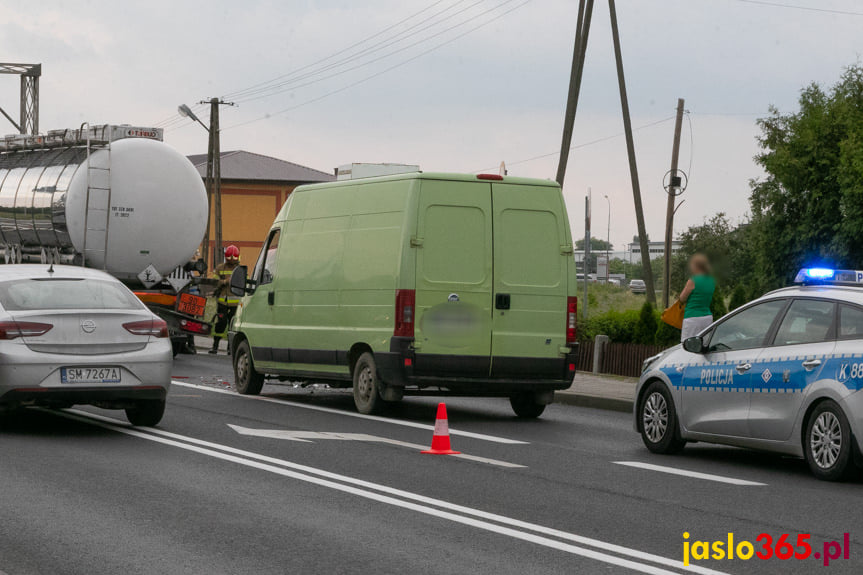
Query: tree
[[738, 297], [717, 304], [596, 245], [808, 209], [645, 329]]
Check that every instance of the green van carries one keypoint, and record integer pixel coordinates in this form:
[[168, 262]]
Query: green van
[[420, 282]]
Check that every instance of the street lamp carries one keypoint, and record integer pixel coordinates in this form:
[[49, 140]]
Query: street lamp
[[608, 241], [187, 112]]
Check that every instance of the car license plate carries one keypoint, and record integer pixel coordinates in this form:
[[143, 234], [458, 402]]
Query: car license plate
[[90, 375], [191, 304]]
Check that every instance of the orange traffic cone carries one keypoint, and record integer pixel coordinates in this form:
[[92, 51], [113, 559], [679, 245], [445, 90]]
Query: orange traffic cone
[[440, 440]]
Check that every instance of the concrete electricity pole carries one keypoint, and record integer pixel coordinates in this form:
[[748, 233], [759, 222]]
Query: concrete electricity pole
[[586, 265], [630, 149], [673, 186], [214, 184], [585, 10]]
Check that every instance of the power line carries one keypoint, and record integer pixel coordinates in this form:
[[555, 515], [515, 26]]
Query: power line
[[343, 50], [798, 7], [584, 145], [379, 58], [376, 47], [384, 71]]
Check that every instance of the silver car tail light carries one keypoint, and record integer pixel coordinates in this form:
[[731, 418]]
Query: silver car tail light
[[13, 329], [155, 327]]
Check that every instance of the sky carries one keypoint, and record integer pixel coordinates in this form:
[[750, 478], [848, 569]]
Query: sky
[[451, 85]]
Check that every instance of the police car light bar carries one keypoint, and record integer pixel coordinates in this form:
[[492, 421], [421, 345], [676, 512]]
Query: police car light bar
[[829, 276]]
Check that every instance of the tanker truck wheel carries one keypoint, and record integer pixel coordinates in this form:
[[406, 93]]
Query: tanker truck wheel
[[246, 379]]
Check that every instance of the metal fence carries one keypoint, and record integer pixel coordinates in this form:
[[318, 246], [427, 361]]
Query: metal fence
[[617, 358]]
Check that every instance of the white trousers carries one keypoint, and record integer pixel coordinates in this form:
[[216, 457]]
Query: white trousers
[[693, 325]]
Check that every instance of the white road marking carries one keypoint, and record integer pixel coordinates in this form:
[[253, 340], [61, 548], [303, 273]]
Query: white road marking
[[361, 488], [470, 434], [307, 436], [686, 473]]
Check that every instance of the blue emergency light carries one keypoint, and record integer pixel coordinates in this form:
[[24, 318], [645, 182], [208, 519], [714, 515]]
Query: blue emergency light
[[829, 276]]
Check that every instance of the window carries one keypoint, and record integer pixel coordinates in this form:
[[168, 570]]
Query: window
[[746, 329], [850, 322], [807, 321], [265, 269], [66, 293]]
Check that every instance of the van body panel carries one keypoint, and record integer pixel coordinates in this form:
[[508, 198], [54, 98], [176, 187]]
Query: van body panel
[[346, 247], [454, 276], [530, 274]]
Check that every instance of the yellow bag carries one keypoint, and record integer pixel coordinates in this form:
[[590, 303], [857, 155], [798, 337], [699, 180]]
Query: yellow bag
[[673, 316]]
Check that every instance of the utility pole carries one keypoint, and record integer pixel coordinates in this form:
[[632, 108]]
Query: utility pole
[[585, 11], [214, 184], [586, 249], [630, 149], [674, 185]]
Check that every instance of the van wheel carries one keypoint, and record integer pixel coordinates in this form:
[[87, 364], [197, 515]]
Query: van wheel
[[526, 406], [659, 430], [247, 380], [827, 443], [367, 386]]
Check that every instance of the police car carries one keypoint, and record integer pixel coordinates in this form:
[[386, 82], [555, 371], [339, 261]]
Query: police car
[[782, 373]]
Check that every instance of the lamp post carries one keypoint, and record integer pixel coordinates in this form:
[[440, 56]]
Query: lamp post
[[608, 242], [187, 112]]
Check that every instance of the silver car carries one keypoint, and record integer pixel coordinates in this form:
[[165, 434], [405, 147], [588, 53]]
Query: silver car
[[637, 286], [783, 373], [70, 335]]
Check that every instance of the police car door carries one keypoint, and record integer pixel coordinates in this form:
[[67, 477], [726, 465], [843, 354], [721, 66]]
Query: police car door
[[716, 386], [846, 365], [801, 347]]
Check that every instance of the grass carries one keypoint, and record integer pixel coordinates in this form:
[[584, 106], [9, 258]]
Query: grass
[[605, 297]]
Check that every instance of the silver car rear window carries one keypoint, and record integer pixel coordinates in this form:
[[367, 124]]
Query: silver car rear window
[[66, 293]]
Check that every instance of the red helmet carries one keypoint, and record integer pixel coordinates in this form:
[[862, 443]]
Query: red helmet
[[232, 253]]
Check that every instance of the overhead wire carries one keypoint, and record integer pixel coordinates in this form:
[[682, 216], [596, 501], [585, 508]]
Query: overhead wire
[[381, 72]]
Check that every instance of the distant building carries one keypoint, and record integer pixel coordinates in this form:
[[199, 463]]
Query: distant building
[[254, 187], [656, 249]]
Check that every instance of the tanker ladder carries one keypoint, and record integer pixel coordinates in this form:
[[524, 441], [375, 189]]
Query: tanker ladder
[[97, 213]]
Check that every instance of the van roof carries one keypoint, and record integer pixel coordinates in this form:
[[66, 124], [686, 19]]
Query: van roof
[[428, 176]]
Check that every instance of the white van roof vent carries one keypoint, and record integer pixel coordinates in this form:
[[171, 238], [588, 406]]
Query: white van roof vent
[[358, 170]]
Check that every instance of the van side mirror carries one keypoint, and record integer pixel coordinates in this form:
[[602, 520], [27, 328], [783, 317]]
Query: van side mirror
[[694, 344], [239, 278]]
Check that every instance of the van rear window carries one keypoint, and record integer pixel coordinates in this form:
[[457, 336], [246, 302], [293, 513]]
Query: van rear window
[[529, 240]]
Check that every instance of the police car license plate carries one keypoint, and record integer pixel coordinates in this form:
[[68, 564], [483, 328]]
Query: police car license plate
[[90, 375]]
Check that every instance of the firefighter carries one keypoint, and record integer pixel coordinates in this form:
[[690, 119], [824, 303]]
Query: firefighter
[[226, 303]]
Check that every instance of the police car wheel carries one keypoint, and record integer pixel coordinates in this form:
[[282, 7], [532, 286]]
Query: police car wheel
[[658, 423], [827, 443], [246, 379], [367, 386]]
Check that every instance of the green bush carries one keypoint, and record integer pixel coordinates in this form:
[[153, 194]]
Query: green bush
[[617, 325], [717, 305], [645, 328], [738, 298], [667, 335]]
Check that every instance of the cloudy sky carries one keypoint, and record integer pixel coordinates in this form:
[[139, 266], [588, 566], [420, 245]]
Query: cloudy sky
[[452, 85]]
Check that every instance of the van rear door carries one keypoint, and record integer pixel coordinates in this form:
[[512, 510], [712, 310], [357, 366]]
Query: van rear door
[[454, 279], [531, 252]]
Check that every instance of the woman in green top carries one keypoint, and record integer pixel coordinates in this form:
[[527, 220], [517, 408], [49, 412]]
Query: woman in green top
[[697, 295]]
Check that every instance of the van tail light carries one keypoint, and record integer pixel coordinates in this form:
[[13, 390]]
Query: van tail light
[[13, 329], [405, 313], [155, 327], [493, 177], [571, 319]]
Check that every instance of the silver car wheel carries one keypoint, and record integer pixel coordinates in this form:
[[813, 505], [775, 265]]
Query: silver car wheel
[[366, 383], [242, 366], [654, 417], [825, 440]]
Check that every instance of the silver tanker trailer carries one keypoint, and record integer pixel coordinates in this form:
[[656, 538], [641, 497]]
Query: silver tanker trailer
[[109, 197]]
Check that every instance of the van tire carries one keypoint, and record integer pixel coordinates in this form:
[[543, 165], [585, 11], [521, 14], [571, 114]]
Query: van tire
[[526, 406], [246, 379], [367, 385]]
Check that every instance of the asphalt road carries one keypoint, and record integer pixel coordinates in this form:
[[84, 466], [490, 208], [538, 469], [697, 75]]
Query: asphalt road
[[302, 484]]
